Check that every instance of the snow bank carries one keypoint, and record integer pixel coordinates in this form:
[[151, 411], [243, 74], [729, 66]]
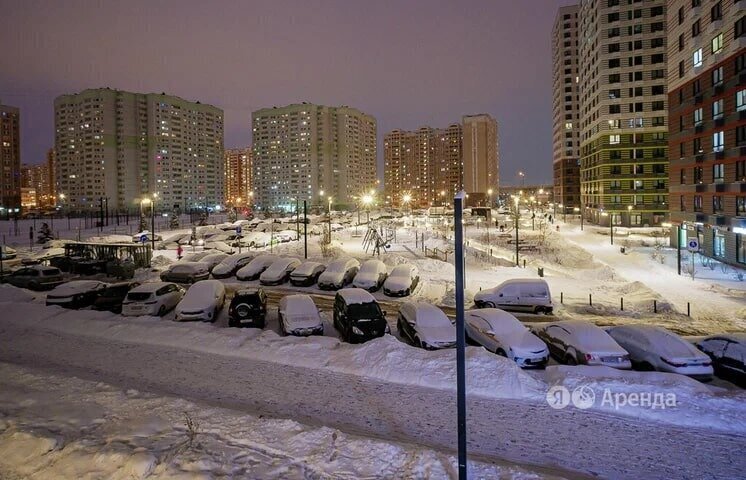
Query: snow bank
[[9, 293]]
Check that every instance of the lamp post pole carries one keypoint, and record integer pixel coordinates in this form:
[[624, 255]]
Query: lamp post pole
[[678, 248], [459, 263], [611, 226], [329, 212], [152, 223], [517, 214]]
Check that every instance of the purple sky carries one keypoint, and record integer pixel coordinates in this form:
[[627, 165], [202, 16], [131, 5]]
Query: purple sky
[[408, 63]]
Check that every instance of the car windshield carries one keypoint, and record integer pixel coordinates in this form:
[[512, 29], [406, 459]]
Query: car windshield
[[138, 296], [250, 299], [364, 311]]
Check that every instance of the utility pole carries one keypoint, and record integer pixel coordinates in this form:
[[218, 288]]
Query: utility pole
[[305, 230], [458, 208]]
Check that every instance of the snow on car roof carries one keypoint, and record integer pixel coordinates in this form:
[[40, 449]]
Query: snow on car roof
[[150, 287], [306, 268], [426, 313], [499, 320], [524, 280], [355, 295], [665, 343], [75, 286], [299, 304], [372, 265], [401, 270], [339, 265], [188, 267], [588, 335]]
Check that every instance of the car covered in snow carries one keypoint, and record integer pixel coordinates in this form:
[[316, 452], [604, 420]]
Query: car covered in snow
[[213, 259], [500, 332], [7, 253], [285, 236], [248, 308], [186, 272], [35, 277], [173, 241], [357, 316], [138, 237], [195, 256], [152, 298], [338, 274], [256, 267], [728, 354], [402, 281], [203, 301], [257, 239], [426, 326], [219, 246], [307, 274], [76, 293], [231, 264], [655, 348], [299, 316], [517, 294], [279, 272], [576, 342], [371, 275], [113, 295]]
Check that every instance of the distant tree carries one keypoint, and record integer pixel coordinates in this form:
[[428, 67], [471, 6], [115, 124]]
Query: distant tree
[[44, 234], [202, 219], [232, 216], [143, 223], [173, 222]]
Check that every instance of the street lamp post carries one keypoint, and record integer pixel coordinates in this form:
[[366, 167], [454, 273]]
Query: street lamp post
[[489, 212], [533, 213], [629, 216], [523, 179], [517, 214]]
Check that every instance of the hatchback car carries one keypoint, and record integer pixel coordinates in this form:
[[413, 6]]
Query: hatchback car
[[113, 295], [76, 294], [307, 274], [426, 326], [279, 272], [231, 264], [500, 332], [153, 298], [728, 354], [402, 281], [338, 274], [213, 259], [254, 268], [299, 316], [186, 272], [371, 275], [35, 277], [358, 317], [582, 343], [203, 301], [248, 308]]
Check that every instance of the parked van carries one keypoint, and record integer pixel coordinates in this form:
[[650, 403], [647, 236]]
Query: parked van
[[517, 294]]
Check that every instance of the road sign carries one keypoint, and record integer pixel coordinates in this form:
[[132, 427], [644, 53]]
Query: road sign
[[692, 244], [238, 230], [143, 238]]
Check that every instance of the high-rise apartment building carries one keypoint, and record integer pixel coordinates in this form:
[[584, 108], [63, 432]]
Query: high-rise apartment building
[[10, 157], [38, 183], [126, 146], [52, 177], [425, 164], [481, 159], [623, 112], [707, 118], [301, 150], [566, 109], [238, 170]]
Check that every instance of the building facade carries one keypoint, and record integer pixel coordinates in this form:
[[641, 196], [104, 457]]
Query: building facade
[[707, 115], [10, 157], [302, 150], [238, 171], [125, 147], [425, 166], [37, 184], [481, 159], [566, 109], [623, 112]]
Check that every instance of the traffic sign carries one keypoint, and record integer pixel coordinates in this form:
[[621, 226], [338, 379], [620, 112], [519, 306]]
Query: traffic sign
[[692, 244], [143, 238]]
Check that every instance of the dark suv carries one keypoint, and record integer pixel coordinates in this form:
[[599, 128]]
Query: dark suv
[[358, 317], [248, 308]]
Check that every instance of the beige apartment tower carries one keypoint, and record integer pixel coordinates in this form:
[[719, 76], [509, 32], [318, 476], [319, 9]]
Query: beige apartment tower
[[566, 110], [124, 147], [481, 159], [302, 150], [10, 158], [238, 170], [623, 112]]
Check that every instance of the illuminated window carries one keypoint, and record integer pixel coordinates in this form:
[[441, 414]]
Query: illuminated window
[[697, 58], [717, 43]]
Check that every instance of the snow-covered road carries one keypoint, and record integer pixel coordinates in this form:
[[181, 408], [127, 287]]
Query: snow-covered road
[[499, 429]]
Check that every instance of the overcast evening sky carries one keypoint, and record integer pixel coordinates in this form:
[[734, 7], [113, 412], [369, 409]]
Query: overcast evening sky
[[408, 63]]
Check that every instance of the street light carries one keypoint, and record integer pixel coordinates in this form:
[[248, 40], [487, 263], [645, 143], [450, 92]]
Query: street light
[[533, 214], [523, 179], [148, 201], [517, 214], [629, 215], [330, 219]]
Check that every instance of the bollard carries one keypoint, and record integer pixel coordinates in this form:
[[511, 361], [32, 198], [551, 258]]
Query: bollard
[[524, 263], [688, 310], [655, 306], [622, 303], [590, 299], [562, 297]]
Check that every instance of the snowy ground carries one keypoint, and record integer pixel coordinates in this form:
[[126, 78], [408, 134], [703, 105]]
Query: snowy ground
[[385, 391]]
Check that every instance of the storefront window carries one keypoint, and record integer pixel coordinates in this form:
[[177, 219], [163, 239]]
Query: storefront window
[[718, 244]]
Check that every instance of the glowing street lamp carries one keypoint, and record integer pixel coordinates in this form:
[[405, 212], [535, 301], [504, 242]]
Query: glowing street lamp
[[367, 200]]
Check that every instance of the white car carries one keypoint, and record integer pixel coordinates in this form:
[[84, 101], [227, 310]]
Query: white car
[[287, 236], [299, 316], [254, 268], [425, 325], [155, 298], [137, 238], [401, 281], [577, 342], [230, 264], [173, 241], [655, 348], [279, 272], [307, 274], [501, 333], [338, 274], [7, 253], [203, 301], [213, 259], [257, 239], [195, 256], [76, 293], [219, 246], [371, 275], [517, 294]]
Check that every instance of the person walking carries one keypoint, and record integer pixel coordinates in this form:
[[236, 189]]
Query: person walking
[[179, 251]]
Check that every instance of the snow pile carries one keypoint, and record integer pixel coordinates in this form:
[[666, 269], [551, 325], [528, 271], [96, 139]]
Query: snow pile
[[111, 239], [160, 261], [9, 293]]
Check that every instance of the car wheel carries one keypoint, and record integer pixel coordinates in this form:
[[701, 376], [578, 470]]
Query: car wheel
[[490, 305], [162, 311], [500, 352], [538, 310], [232, 323], [33, 285], [418, 343], [646, 367], [570, 359]]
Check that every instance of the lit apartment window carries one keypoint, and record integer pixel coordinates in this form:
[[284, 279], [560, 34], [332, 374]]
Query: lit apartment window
[[614, 139], [718, 140], [718, 242], [697, 58], [568, 125], [741, 100], [717, 43]]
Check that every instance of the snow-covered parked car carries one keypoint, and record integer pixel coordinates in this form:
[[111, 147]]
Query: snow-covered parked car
[[231, 264], [186, 272], [138, 237], [576, 342], [153, 298], [203, 301], [426, 326], [337, 227], [279, 272], [219, 246], [35, 277], [299, 316], [76, 293], [112, 297], [285, 236], [728, 354], [173, 241], [7, 253], [371, 275], [213, 259], [254, 268], [257, 239], [500, 332], [307, 274], [517, 294], [402, 281], [338, 274], [655, 348], [358, 317]]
